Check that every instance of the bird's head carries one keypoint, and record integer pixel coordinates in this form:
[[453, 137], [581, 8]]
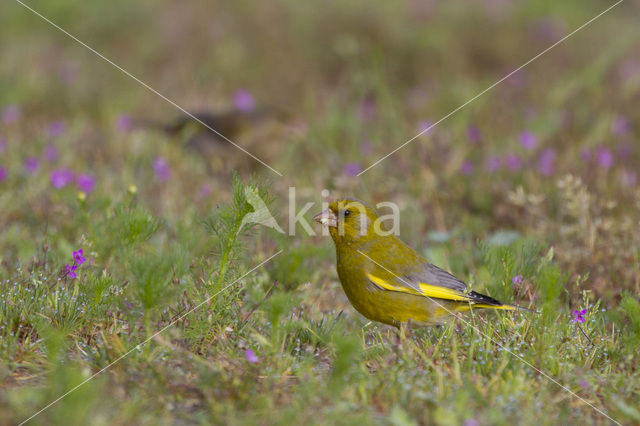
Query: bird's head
[[348, 220]]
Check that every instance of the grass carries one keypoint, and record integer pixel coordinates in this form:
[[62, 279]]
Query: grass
[[341, 84]]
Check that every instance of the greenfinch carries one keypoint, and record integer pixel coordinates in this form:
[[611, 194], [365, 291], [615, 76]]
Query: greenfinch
[[385, 279]]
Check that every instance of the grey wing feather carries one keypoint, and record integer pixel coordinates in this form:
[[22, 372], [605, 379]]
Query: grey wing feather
[[433, 275]]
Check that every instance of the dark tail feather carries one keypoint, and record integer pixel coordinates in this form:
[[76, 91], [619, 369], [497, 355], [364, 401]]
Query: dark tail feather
[[484, 301]]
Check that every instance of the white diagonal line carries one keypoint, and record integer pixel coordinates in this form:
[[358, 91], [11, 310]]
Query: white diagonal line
[[149, 338], [501, 346], [147, 86], [494, 85]]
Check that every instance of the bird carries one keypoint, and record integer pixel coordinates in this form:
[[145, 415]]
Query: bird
[[219, 137], [386, 280], [198, 125]]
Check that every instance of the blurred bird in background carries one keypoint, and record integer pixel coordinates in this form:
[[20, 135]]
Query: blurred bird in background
[[259, 131]]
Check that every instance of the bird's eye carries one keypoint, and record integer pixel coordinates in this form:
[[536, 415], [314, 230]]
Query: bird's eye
[[347, 213]]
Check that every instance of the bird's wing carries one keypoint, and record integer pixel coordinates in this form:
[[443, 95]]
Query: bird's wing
[[429, 281]]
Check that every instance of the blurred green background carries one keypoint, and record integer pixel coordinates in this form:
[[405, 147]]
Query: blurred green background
[[538, 177]]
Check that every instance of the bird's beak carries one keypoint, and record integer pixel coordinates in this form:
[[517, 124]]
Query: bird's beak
[[327, 217]]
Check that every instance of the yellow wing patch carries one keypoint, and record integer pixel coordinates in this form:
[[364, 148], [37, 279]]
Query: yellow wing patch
[[442, 292], [425, 289], [386, 285]]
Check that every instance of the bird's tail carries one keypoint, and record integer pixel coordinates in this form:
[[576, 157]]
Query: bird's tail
[[503, 306], [488, 302]]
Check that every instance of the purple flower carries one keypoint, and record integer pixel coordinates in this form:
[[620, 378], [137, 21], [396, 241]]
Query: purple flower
[[124, 123], [61, 178], [368, 108], [517, 281], [584, 384], [68, 73], [86, 183], [129, 305], [4, 173], [352, 169], [517, 79], [205, 190], [162, 169], [474, 135], [425, 125], [78, 257], [366, 148], [578, 316], [466, 168], [513, 162], [629, 69], [621, 126], [494, 163], [605, 157], [629, 178], [549, 29], [31, 165], [251, 356], [3, 144], [243, 100], [546, 162], [11, 114], [528, 140], [71, 271], [57, 128], [471, 422], [51, 153]]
